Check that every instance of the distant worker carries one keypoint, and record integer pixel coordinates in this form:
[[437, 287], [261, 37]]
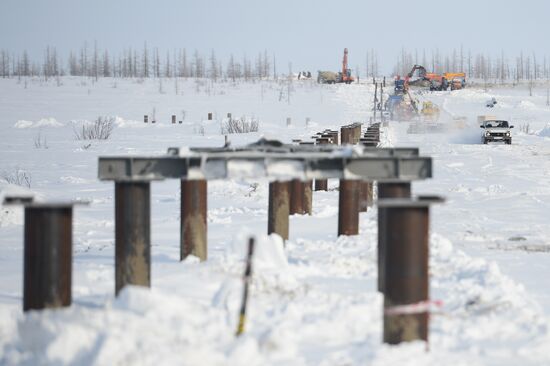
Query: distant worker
[[406, 83], [399, 84]]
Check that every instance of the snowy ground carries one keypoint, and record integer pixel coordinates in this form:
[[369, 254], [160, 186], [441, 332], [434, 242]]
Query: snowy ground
[[313, 302]]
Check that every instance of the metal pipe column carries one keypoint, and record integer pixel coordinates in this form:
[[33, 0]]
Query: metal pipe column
[[193, 219], [387, 190], [308, 197], [296, 197], [132, 234], [406, 293], [348, 207], [278, 209], [47, 256]]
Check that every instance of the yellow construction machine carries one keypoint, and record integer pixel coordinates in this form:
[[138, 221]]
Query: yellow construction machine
[[429, 112]]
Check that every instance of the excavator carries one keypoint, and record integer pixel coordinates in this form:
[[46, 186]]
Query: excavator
[[435, 81], [344, 76], [401, 105], [426, 79]]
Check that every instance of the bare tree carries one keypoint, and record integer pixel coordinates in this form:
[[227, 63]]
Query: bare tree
[[25, 63], [266, 64], [73, 65], [156, 69], [84, 60], [275, 77], [198, 64], [231, 72], [146, 64], [95, 62], [167, 67], [18, 177], [183, 67], [4, 63], [107, 72], [213, 71], [247, 68], [50, 65], [100, 129]]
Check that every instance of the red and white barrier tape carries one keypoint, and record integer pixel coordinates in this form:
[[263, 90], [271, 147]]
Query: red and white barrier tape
[[427, 306]]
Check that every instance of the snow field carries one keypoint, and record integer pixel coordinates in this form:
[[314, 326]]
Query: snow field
[[312, 302]]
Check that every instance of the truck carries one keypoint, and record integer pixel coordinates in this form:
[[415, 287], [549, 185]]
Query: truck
[[327, 77], [430, 111], [495, 130], [457, 80]]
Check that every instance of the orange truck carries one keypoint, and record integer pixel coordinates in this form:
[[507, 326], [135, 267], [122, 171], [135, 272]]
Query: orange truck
[[457, 80]]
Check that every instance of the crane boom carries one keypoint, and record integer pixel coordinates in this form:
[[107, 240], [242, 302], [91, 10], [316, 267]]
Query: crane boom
[[345, 62]]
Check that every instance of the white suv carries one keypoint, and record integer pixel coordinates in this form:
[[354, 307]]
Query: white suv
[[496, 131]]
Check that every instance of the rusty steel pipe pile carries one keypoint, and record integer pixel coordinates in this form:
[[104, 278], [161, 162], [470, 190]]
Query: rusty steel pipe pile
[[47, 252], [132, 234], [193, 224], [406, 272]]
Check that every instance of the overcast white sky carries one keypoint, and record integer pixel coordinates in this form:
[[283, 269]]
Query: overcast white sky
[[311, 34]]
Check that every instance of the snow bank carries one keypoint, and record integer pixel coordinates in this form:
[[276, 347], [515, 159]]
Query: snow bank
[[318, 311], [44, 122], [23, 124], [544, 132], [119, 122], [268, 251], [525, 104], [483, 309], [140, 327], [11, 215], [128, 123]]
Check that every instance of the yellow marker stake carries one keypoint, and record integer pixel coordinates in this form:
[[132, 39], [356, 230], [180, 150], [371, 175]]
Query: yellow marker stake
[[246, 280]]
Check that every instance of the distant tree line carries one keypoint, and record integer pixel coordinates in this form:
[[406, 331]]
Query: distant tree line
[[137, 63], [147, 62], [480, 65]]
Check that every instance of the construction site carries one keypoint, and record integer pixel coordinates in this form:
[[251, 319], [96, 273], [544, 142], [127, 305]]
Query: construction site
[[274, 183], [406, 99]]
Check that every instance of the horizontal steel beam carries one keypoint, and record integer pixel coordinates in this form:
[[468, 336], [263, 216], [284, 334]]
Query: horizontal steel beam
[[142, 168], [283, 149], [255, 164]]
